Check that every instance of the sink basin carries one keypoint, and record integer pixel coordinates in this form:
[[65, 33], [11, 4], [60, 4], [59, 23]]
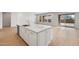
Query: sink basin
[[25, 25]]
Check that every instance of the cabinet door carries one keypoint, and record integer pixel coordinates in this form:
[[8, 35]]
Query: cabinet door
[[42, 38], [49, 36], [26, 36], [21, 32], [32, 38]]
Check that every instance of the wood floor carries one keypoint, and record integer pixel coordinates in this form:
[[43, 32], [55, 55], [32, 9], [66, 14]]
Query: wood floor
[[62, 36], [8, 37], [65, 36]]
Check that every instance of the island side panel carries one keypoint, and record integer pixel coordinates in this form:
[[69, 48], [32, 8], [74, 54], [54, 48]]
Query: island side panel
[[44, 37], [32, 38]]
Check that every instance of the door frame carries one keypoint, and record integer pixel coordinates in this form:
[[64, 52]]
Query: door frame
[[4, 20]]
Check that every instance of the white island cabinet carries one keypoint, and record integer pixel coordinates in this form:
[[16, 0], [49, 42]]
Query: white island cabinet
[[36, 35]]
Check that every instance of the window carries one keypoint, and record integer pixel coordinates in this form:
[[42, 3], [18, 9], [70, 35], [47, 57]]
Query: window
[[67, 19]]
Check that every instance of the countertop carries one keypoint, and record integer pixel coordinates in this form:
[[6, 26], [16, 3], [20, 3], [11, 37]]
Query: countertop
[[37, 27]]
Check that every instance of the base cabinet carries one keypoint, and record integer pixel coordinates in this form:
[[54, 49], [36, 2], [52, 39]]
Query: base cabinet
[[35, 38]]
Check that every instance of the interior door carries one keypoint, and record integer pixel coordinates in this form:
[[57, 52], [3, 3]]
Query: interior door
[[6, 19]]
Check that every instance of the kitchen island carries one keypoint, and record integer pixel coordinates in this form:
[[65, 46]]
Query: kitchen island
[[36, 35]]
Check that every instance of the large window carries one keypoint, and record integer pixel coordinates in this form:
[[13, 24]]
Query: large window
[[67, 19]]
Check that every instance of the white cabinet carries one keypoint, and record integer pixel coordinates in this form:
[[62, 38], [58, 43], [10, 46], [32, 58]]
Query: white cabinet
[[33, 38]]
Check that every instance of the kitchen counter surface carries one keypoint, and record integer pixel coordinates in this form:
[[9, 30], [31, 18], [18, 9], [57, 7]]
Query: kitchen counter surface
[[37, 27]]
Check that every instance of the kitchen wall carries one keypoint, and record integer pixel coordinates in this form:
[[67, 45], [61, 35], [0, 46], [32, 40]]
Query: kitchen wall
[[30, 17], [13, 19], [54, 19], [21, 18]]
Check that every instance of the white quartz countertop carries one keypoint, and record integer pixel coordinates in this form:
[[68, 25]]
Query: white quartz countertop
[[37, 27]]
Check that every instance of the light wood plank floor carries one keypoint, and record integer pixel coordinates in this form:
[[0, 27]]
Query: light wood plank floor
[[62, 36], [8, 37]]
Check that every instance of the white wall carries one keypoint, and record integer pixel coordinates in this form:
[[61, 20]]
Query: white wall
[[77, 20], [21, 18], [0, 20], [55, 20], [30, 17], [13, 19]]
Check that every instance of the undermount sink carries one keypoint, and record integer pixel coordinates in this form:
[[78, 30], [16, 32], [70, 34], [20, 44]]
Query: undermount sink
[[25, 25]]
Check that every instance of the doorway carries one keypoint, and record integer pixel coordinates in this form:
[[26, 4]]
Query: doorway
[[6, 19]]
